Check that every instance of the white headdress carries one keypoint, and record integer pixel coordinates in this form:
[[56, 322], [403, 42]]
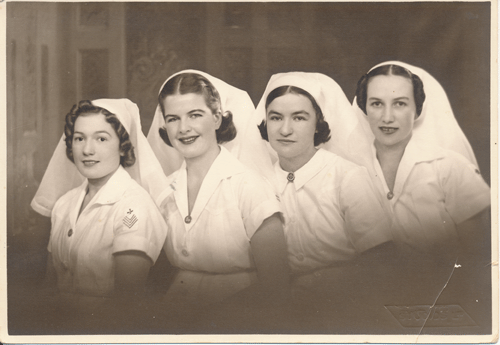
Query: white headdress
[[329, 96], [436, 125], [61, 174], [232, 99]]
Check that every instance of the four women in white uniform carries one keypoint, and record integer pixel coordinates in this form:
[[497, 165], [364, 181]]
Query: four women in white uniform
[[241, 211]]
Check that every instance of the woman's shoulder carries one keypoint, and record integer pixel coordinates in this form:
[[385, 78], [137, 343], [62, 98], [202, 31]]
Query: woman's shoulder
[[338, 164], [248, 181], [135, 191], [453, 163], [242, 174], [442, 157]]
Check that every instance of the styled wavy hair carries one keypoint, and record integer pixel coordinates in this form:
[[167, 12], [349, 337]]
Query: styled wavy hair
[[322, 134], [185, 83], [418, 85], [86, 107]]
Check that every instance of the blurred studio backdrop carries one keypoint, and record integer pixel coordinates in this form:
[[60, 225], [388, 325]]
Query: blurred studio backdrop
[[60, 53]]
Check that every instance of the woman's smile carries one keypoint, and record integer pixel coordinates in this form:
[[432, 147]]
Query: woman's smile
[[388, 130], [188, 140], [89, 163]]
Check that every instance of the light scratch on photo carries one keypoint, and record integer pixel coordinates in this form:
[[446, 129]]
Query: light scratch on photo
[[439, 294]]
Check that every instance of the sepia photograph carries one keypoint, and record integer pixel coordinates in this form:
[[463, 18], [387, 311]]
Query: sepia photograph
[[276, 171]]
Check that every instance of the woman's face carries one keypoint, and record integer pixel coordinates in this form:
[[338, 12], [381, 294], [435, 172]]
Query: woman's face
[[291, 124], [96, 147], [391, 110], [190, 124]]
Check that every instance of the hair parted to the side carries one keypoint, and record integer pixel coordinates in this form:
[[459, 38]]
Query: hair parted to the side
[[418, 85], [322, 134], [86, 107], [185, 83]]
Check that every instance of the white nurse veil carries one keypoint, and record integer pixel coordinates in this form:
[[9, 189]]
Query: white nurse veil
[[61, 174], [436, 124], [334, 105], [237, 101]]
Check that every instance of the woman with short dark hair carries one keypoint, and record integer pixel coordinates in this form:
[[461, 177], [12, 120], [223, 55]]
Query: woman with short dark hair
[[331, 214], [421, 161], [106, 230]]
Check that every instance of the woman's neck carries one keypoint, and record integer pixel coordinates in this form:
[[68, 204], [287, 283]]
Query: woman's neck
[[295, 163], [198, 167], [95, 185], [389, 158]]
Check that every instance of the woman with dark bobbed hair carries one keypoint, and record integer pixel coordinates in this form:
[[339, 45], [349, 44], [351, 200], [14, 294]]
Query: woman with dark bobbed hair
[[225, 232], [422, 164], [331, 214], [106, 230]]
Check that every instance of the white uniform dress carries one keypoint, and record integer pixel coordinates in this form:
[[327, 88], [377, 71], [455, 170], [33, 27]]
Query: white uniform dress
[[437, 183], [121, 217], [331, 212], [435, 189], [211, 245]]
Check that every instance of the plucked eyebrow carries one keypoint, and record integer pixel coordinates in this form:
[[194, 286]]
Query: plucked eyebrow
[[98, 132], [189, 112], [395, 99], [300, 112], [196, 111], [272, 112]]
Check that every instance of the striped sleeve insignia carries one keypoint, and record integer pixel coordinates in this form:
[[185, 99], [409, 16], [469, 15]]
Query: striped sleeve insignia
[[130, 219]]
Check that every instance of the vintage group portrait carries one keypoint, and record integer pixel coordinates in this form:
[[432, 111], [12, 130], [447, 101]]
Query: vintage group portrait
[[275, 171]]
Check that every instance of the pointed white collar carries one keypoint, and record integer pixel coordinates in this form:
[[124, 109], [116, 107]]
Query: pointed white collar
[[305, 173]]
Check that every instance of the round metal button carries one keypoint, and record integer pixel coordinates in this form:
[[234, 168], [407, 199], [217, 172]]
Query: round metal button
[[185, 252], [188, 219], [290, 177], [70, 232], [390, 195]]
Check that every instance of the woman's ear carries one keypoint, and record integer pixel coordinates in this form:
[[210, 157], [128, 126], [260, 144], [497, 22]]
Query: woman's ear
[[218, 119]]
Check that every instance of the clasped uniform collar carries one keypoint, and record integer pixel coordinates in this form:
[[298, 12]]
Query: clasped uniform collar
[[302, 175], [224, 166], [110, 193], [415, 152]]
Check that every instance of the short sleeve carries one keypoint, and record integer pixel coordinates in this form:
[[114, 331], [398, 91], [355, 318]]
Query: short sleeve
[[465, 191], [256, 200], [139, 225], [367, 224]]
